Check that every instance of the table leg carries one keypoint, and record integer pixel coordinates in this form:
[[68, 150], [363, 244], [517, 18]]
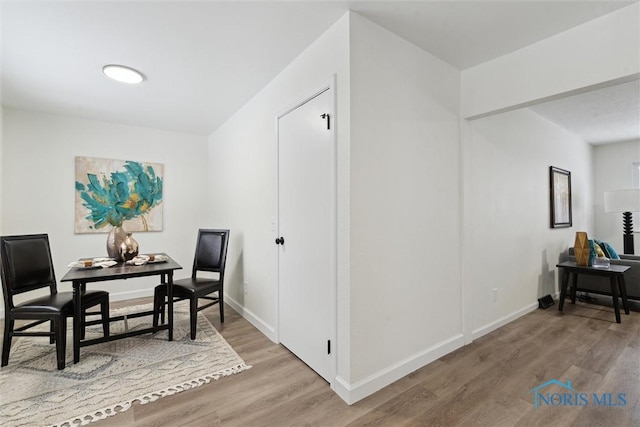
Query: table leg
[[77, 313], [614, 292], [574, 287], [170, 303], [563, 289], [623, 291]]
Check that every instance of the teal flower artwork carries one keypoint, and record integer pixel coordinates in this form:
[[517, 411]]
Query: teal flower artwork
[[131, 191]]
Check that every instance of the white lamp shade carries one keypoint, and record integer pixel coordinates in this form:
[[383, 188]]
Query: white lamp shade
[[622, 200]]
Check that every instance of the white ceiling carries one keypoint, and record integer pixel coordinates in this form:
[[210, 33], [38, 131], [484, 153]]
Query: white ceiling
[[204, 60], [598, 117]]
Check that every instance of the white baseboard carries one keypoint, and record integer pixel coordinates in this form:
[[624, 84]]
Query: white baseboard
[[351, 393], [477, 333], [263, 327], [139, 293]]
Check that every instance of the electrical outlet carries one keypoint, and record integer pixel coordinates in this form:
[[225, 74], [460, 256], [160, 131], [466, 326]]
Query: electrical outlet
[[246, 288], [495, 294]]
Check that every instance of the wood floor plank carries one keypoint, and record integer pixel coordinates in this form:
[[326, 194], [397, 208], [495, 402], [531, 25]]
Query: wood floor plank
[[500, 411], [562, 415], [599, 357], [622, 377], [410, 404], [487, 383]]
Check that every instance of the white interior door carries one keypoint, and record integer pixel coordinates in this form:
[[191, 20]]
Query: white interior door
[[306, 223]]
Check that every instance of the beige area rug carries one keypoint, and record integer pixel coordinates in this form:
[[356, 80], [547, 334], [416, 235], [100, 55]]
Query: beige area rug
[[113, 375]]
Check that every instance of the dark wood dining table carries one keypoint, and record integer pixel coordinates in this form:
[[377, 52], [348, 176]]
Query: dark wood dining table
[[80, 277]]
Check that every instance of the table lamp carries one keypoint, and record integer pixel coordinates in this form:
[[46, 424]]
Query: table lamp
[[625, 201]]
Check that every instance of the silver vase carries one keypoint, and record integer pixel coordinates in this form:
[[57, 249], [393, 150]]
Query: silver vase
[[128, 248], [114, 240]]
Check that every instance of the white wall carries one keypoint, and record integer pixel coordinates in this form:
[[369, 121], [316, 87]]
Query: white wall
[[613, 170], [38, 191], [407, 155], [419, 249], [602, 51], [405, 207], [407, 289], [243, 184], [511, 246]]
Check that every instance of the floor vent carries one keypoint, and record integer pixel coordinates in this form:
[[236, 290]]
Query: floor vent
[[546, 301]]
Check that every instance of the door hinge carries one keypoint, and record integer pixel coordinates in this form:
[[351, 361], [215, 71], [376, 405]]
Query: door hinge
[[328, 117], [328, 346]]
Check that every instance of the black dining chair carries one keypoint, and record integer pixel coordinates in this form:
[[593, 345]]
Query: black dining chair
[[211, 256], [26, 266]]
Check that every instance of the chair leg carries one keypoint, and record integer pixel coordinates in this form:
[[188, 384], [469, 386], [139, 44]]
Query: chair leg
[[52, 329], [158, 307], [193, 316], [104, 312], [83, 322], [156, 314], [221, 304], [6, 342], [61, 339]]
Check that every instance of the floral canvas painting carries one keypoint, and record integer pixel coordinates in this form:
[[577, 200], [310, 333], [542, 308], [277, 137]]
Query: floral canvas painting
[[111, 193]]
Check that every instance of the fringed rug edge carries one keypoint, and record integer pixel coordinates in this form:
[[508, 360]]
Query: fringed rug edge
[[109, 411]]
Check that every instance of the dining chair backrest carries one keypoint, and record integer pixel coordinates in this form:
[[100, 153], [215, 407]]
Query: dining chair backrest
[[211, 251], [26, 265]]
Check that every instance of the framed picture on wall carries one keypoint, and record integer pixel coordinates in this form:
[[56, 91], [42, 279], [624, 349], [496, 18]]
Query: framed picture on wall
[[115, 193], [560, 192]]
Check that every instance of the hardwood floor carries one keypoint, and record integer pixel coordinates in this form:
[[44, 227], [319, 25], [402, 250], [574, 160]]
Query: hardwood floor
[[487, 383]]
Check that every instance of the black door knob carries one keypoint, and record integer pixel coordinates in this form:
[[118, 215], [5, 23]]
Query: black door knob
[[280, 241]]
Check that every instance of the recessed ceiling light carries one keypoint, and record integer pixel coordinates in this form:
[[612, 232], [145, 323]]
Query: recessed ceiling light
[[123, 74]]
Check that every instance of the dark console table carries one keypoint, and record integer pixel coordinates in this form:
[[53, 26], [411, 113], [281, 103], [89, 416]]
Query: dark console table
[[615, 273]]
